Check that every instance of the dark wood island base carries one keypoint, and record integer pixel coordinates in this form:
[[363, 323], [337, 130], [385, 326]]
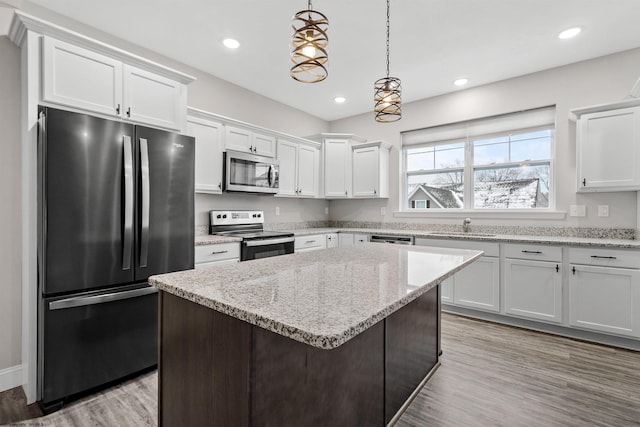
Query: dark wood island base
[[216, 370]]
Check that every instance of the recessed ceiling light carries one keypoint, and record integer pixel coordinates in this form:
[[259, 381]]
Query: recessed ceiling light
[[461, 82], [339, 99], [231, 43], [568, 33]]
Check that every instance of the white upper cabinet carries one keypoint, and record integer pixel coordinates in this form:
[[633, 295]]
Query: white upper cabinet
[[337, 169], [608, 150], [208, 133], [371, 169], [249, 141], [152, 99], [82, 78], [299, 169]]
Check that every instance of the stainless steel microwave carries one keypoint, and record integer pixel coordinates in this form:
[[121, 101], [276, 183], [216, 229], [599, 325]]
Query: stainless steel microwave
[[249, 173]]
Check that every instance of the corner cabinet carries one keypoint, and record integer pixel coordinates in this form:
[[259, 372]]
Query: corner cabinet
[[299, 168], [337, 165], [371, 169], [91, 80], [208, 133], [608, 147]]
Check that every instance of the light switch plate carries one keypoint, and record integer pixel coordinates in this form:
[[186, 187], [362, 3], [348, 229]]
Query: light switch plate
[[277, 210]]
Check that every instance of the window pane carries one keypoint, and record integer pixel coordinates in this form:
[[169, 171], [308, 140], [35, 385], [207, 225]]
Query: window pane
[[531, 149], [491, 153], [521, 187], [420, 159], [449, 157], [437, 190]]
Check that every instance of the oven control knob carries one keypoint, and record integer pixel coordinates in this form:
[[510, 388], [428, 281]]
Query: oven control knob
[[259, 215], [224, 216], [254, 215], [219, 216]]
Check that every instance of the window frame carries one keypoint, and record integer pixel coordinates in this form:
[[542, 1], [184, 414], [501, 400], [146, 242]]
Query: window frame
[[469, 170]]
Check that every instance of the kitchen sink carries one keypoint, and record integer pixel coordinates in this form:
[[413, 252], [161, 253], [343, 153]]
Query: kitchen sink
[[460, 233]]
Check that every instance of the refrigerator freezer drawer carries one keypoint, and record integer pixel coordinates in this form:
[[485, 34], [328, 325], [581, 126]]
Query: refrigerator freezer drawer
[[91, 340]]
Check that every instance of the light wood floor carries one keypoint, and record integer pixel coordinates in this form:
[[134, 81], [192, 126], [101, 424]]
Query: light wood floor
[[491, 375]]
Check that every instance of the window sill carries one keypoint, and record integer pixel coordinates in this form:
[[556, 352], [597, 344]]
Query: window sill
[[486, 214]]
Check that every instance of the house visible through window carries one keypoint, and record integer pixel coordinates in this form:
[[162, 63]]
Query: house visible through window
[[502, 162]]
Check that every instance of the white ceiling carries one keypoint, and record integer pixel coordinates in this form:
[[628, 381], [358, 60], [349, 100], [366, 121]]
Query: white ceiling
[[433, 42]]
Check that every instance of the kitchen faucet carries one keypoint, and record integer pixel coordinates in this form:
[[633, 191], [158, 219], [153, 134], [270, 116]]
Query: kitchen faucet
[[466, 225]]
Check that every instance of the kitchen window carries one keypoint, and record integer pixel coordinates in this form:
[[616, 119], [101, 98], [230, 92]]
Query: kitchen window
[[497, 163]]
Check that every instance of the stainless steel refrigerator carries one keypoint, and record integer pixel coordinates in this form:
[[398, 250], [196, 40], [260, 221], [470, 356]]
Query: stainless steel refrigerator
[[116, 205]]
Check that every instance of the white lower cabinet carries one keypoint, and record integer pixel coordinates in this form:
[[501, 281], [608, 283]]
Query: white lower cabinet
[[219, 253], [533, 289], [478, 285], [332, 240], [605, 299], [348, 239], [310, 243]]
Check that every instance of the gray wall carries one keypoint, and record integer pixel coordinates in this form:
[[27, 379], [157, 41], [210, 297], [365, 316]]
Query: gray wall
[[598, 81], [10, 208]]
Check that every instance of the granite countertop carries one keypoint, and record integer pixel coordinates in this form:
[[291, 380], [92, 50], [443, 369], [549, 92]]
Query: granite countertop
[[499, 238], [321, 298], [208, 239]]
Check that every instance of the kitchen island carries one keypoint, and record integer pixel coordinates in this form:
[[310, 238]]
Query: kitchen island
[[343, 336]]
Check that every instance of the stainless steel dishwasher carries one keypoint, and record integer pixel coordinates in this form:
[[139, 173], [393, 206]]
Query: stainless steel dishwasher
[[386, 238]]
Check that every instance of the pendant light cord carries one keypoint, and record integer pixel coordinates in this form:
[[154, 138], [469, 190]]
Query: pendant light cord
[[387, 37]]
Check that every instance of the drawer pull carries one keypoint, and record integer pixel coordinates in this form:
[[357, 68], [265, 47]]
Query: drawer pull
[[310, 241], [532, 252], [603, 257], [218, 252]]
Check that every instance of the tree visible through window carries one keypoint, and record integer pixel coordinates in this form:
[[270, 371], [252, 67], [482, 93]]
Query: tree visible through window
[[499, 170]]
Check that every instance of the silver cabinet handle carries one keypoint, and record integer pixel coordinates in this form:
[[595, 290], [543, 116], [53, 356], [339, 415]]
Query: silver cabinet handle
[[266, 242], [127, 242], [118, 109], [345, 192], [218, 252], [129, 112], [532, 252], [603, 257], [374, 191], [310, 241], [144, 229], [99, 299]]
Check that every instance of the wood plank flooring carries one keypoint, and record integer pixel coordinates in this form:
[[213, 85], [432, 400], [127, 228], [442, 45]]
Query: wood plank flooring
[[491, 375]]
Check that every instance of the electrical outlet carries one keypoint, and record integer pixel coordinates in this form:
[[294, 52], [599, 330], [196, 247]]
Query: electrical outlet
[[383, 211], [277, 210], [603, 210]]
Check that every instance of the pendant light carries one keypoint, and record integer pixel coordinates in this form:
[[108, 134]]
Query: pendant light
[[309, 46], [387, 92]]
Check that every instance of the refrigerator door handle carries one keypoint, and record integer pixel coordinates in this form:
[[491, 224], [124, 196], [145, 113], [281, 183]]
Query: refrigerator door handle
[[144, 228], [99, 299], [127, 243]]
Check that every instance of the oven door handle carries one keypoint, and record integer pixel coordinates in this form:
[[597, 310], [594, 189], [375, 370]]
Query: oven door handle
[[267, 242]]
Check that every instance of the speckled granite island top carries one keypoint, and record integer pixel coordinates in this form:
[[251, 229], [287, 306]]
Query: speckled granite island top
[[321, 298]]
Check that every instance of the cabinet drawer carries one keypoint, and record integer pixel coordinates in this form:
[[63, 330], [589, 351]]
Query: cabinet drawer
[[316, 241], [605, 257], [489, 248], [217, 252], [533, 252]]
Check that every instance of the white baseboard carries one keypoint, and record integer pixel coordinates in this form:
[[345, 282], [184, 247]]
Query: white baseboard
[[10, 378]]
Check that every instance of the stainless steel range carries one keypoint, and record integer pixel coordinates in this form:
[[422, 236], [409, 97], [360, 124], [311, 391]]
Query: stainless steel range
[[248, 225]]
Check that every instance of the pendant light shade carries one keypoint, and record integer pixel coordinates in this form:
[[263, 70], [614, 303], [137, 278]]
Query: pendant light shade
[[309, 46], [387, 96]]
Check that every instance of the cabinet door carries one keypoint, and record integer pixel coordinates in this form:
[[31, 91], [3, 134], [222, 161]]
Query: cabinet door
[[81, 78], [263, 145], [360, 238], [208, 169], [478, 285], [238, 139], [337, 171], [605, 299], [332, 240], [366, 172], [533, 289], [288, 157], [609, 150], [346, 239], [308, 171], [153, 99], [446, 290]]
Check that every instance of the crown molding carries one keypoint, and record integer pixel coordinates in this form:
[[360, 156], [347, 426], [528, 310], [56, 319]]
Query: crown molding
[[22, 22]]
